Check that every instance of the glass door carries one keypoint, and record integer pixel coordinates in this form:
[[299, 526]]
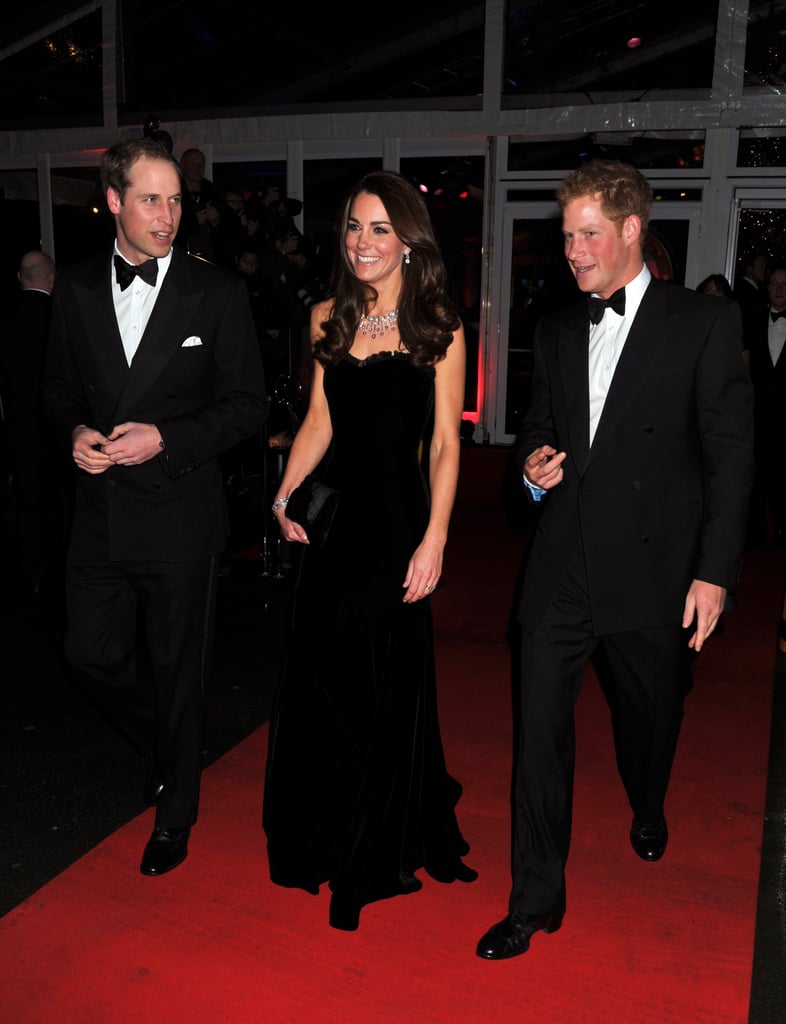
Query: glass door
[[758, 224], [536, 279]]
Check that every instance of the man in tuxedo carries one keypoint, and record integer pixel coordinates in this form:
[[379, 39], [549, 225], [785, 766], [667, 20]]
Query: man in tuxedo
[[768, 373], [749, 286], [751, 292], [638, 444], [153, 371]]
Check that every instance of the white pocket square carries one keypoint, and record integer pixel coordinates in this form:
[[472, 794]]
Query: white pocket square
[[190, 342]]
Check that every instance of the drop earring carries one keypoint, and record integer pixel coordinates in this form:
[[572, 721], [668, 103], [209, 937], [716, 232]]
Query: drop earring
[[406, 259]]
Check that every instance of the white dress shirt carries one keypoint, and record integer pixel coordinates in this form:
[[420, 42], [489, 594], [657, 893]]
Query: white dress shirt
[[776, 335], [606, 342], [134, 304]]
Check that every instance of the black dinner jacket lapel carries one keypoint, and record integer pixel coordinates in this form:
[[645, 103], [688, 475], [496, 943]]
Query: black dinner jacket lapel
[[647, 336], [93, 296], [573, 353], [174, 308]]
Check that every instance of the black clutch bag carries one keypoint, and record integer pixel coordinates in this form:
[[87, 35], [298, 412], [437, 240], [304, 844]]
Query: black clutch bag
[[312, 505]]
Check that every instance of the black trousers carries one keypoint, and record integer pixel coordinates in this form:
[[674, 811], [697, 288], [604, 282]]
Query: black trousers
[[140, 636], [646, 675]]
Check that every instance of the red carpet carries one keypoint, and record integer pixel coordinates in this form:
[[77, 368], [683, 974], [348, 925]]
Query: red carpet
[[216, 942]]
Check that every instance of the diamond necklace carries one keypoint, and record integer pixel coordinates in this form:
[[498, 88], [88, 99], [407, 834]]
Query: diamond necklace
[[377, 326]]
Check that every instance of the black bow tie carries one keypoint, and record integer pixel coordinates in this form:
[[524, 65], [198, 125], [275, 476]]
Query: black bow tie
[[126, 272], [597, 306], [775, 316]]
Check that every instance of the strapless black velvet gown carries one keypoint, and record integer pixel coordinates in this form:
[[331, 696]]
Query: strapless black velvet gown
[[357, 793]]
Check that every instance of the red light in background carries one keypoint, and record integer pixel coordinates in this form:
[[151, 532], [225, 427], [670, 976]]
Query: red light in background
[[473, 415]]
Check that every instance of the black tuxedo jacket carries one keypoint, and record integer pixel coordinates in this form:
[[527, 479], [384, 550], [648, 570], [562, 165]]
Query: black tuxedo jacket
[[197, 375], [661, 496], [750, 295], [753, 302]]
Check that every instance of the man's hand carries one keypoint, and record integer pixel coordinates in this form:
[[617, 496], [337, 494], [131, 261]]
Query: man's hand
[[543, 467], [86, 450], [704, 604], [131, 444]]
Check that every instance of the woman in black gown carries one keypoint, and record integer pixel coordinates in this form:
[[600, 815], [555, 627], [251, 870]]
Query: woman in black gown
[[357, 793]]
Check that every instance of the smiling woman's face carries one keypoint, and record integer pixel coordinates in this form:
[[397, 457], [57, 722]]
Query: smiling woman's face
[[374, 250]]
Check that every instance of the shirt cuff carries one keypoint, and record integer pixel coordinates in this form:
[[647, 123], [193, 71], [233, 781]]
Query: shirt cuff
[[536, 492]]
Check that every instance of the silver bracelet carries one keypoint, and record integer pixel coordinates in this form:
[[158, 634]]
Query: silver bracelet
[[279, 503]]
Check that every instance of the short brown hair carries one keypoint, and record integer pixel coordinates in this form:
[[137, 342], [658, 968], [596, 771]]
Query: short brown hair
[[117, 161], [622, 189]]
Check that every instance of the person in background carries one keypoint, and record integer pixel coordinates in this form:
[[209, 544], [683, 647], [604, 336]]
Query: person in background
[[750, 284], [717, 285], [750, 291], [290, 285], [153, 370], [644, 496], [201, 203], [768, 372], [235, 229], [152, 130], [270, 207], [357, 793], [36, 490]]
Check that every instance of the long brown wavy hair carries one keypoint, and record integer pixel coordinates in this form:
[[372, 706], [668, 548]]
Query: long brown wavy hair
[[426, 316]]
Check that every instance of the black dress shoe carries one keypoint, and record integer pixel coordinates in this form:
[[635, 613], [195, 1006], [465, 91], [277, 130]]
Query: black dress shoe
[[649, 841], [511, 936], [166, 848]]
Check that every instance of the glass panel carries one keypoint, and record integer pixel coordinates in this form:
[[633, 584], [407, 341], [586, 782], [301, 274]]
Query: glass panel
[[20, 218], [761, 230], [56, 81], [453, 190], [251, 238], [761, 148], [326, 183], [295, 271], [540, 282], [765, 57], [666, 248], [676, 195], [558, 46], [83, 225], [248, 57], [252, 177], [642, 149]]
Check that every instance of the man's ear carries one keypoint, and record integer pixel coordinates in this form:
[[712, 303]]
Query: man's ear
[[631, 229], [113, 200]]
